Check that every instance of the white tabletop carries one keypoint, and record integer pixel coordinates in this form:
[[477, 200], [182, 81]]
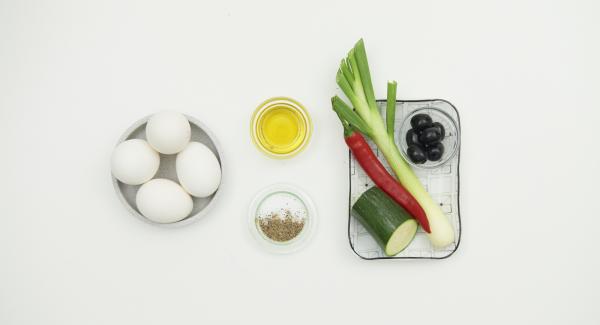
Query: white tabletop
[[75, 74]]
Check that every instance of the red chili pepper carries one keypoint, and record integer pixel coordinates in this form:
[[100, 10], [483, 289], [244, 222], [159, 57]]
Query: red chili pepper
[[382, 178]]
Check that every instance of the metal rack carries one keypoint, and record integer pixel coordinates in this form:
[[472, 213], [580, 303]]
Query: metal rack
[[442, 183]]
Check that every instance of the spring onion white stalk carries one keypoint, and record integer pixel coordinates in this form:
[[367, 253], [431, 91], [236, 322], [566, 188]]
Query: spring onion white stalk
[[354, 78]]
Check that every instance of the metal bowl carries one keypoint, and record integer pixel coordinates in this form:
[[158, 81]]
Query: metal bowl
[[127, 193]]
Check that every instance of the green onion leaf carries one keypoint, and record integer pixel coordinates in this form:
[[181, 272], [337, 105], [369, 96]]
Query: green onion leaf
[[347, 114], [347, 73], [390, 110], [365, 75]]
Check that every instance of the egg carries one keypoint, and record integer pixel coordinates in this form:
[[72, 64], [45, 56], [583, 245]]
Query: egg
[[163, 201], [168, 132], [134, 162], [198, 170]]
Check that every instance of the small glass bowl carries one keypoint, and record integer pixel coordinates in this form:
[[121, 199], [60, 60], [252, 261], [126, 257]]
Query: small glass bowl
[[256, 133], [451, 140], [275, 199]]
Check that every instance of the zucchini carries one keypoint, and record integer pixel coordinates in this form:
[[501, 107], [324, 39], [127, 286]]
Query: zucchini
[[389, 224]]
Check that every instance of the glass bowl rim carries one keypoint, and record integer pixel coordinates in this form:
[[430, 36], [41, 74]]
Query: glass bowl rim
[[402, 132], [293, 104], [305, 235]]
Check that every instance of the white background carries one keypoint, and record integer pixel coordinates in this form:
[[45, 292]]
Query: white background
[[74, 75]]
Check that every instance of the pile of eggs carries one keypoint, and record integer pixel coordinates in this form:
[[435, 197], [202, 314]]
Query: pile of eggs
[[136, 162]]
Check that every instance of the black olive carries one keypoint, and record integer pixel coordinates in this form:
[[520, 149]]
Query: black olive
[[440, 128], [416, 154], [435, 151], [429, 136], [420, 121], [412, 138]]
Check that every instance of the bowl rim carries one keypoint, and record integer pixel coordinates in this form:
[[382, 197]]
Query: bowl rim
[[297, 106], [295, 244], [191, 218], [437, 164]]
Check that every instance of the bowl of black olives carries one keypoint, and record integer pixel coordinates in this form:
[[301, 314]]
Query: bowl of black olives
[[428, 137]]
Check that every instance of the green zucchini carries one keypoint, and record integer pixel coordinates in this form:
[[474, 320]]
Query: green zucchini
[[391, 226]]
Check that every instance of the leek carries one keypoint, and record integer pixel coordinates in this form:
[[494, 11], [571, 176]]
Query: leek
[[354, 78]]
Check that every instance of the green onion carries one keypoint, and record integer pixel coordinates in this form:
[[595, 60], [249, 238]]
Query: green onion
[[390, 110], [354, 78]]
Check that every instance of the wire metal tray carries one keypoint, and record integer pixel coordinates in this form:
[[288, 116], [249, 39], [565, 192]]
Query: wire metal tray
[[442, 183]]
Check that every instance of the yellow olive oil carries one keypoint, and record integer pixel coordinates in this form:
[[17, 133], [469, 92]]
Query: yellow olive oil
[[281, 127]]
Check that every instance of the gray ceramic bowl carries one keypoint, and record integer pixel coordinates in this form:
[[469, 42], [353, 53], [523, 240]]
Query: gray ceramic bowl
[[127, 193]]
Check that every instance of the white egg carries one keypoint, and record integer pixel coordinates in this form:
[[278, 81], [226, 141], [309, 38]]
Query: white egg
[[163, 201], [198, 170], [168, 132], [134, 162]]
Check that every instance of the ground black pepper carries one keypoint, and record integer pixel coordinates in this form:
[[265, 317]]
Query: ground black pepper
[[281, 228]]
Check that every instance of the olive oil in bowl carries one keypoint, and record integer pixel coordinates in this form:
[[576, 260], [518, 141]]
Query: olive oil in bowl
[[281, 127]]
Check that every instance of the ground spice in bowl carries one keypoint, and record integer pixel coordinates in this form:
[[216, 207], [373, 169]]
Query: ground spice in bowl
[[281, 228], [282, 218]]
